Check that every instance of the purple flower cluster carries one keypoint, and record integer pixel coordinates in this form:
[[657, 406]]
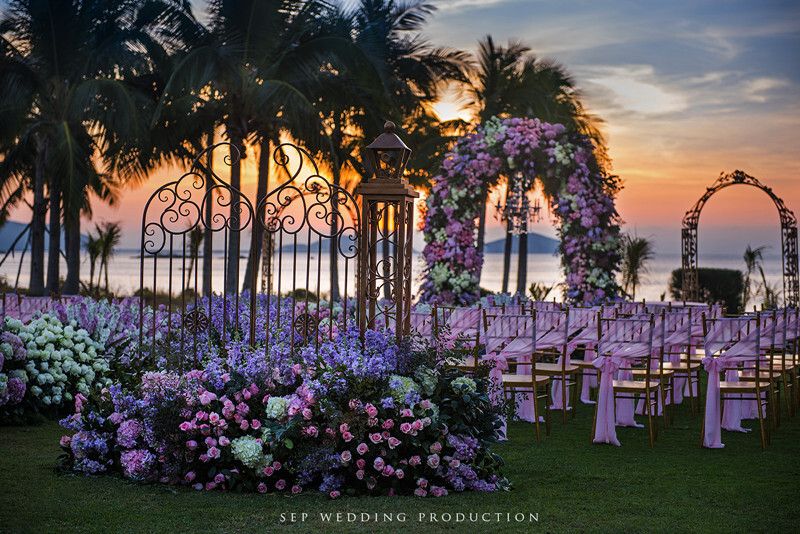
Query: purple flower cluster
[[582, 196]]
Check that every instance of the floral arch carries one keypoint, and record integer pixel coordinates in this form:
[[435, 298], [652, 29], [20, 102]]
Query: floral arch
[[581, 195]]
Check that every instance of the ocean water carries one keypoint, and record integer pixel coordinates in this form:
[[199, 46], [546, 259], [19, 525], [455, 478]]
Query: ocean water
[[124, 272]]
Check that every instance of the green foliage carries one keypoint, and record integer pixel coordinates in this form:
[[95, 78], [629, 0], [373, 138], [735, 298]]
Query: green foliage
[[717, 286], [636, 252], [540, 291]]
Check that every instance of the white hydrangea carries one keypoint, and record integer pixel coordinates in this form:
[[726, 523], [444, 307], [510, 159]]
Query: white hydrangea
[[277, 407], [247, 450]]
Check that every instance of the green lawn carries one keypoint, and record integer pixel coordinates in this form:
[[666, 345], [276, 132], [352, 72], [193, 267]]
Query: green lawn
[[572, 485]]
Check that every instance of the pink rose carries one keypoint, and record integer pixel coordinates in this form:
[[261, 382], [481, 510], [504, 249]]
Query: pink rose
[[65, 441], [393, 442], [296, 489], [191, 444], [343, 428], [206, 397], [224, 441], [210, 442], [297, 369], [268, 471], [213, 452], [204, 458], [362, 449], [436, 447], [185, 426], [407, 413], [371, 410], [360, 463], [388, 471], [419, 492], [422, 483], [454, 463], [279, 485], [425, 404], [276, 466], [388, 424], [190, 476], [244, 425], [400, 474], [433, 461], [414, 461], [385, 434], [255, 424], [246, 394], [375, 438], [405, 428], [360, 474], [253, 388], [334, 494], [262, 488], [355, 404], [205, 429], [378, 464], [417, 425], [347, 437], [243, 408], [437, 491], [312, 431], [210, 486], [213, 418], [201, 416], [220, 478], [306, 414], [346, 457]]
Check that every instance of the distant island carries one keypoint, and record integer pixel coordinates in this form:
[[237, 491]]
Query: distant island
[[537, 244]]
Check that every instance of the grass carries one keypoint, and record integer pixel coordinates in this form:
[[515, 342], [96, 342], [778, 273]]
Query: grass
[[572, 485]]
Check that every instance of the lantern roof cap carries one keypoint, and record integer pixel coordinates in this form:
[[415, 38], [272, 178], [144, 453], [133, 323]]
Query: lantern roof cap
[[388, 140]]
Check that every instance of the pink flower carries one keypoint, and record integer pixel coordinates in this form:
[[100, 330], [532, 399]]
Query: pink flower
[[115, 418], [185, 426], [343, 428], [268, 471], [375, 438], [210, 442], [373, 421], [419, 492], [243, 408], [205, 429], [347, 437], [312, 431], [385, 434], [201, 416], [213, 452], [388, 471], [244, 425], [355, 404], [297, 369], [206, 397], [417, 425], [306, 414], [362, 449], [388, 424], [393, 442], [360, 463], [405, 428], [276, 466], [436, 447], [191, 444], [204, 458], [371, 410], [279, 485], [378, 464], [262, 488], [334, 494], [246, 394], [425, 404], [360, 474], [65, 441], [213, 418], [220, 478], [346, 457], [224, 441], [414, 461], [407, 413], [190, 476], [296, 489], [438, 491], [433, 461], [422, 483], [255, 424], [210, 486], [400, 474], [454, 463]]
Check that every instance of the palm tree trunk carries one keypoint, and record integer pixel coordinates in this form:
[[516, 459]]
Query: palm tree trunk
[[207, 240], [254, 257], [36, 285], [522, 260], [482, 222], [507, 256], [234, 239], [334, 241], [72, 232], [54, 250]]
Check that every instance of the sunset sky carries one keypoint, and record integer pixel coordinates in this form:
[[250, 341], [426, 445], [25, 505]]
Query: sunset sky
[[687, 89]]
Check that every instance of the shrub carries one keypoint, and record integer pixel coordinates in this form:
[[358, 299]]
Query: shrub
[[716, 286]]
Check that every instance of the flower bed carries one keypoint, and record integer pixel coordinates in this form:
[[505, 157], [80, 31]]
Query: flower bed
[[346, 417]]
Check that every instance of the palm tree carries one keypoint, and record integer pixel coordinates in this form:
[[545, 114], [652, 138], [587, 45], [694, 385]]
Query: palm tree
[[510, 81], [636, 252], [93, 247], [82, 115], [196, 236], [110, 235], [753, 258]]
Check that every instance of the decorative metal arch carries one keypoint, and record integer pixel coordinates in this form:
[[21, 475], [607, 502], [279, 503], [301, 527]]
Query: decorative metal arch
[[791, 285]]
